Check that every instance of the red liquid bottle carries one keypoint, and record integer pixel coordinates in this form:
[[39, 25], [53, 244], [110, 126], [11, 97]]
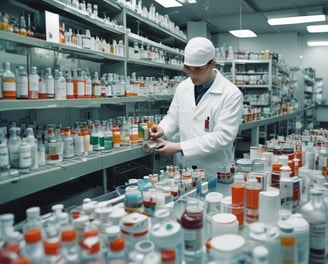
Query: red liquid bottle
[[192, 224]]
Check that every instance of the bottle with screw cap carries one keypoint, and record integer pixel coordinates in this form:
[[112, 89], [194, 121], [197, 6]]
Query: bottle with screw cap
[[21, 83]]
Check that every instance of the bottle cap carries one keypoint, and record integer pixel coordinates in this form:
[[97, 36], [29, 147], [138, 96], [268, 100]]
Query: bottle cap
[[117, 245]]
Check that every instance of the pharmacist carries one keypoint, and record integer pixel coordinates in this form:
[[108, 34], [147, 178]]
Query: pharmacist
[[205, 112]]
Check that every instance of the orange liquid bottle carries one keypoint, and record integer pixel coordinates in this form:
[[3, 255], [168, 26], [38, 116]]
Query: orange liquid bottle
[[252, 190], [238, 198]]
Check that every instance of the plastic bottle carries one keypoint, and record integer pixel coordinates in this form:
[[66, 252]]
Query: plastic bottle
[[33, 84], [116, 252], [213, 206], [302, 234], [69, 247], [8, 82], [21, 83], [133, 199], [315, 212], [167, 235], [33, 248], [323, 157], [52, 253], [91, 251], [260, 255], [192, 224], [310, 156], [6, 226], [253, 188], [238, 197], [33, 219], [286, 191], [288, 243]]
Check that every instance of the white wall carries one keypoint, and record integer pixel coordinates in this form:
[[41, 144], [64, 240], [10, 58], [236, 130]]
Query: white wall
[[291, 46]]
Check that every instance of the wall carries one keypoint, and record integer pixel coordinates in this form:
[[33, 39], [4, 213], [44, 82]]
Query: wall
[[291, 46]]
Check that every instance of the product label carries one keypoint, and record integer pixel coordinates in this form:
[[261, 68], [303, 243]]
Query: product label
[[192, 239], [4, 157], [317, 242]]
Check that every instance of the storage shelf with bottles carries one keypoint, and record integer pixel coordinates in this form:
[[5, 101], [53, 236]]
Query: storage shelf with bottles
[[20, 185], [21, 104], [261, 81]]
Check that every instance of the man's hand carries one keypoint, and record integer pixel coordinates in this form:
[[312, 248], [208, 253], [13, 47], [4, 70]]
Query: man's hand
[[167, 148], [156, 132]]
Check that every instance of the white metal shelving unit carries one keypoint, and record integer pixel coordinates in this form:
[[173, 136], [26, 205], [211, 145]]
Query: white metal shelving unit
[[170, 42]]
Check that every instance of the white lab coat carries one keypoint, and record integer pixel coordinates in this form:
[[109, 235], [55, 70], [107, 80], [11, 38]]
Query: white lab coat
[[222, 104]]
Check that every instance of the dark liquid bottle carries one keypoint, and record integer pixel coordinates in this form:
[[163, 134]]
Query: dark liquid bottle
[[192, 224]]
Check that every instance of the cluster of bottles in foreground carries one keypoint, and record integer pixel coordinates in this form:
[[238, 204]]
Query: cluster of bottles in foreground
[[77, 84], [180, 216], [26, 149]]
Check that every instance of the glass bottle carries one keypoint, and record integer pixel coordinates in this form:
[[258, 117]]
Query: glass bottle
[[96, 86], [315, 212], [88, 85], [25, 156], [21, 83], [133, 201], [60, 85], [42, 86], [69, 85], [13, 145], [4, 158], [22, 26], [68, 142], [8, 82], [49, 83], [31, 140], [81, 84], [192, 224], [33, 84]]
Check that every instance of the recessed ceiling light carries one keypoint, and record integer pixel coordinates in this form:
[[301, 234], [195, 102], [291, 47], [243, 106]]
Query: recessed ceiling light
[[317, 28], [317, 43], [296, 20], [169, 3], [243, 33]]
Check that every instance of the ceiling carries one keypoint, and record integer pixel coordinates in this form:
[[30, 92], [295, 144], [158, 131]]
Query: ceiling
[[224, 15]]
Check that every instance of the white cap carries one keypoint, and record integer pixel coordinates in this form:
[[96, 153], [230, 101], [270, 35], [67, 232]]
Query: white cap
[[198, 52]]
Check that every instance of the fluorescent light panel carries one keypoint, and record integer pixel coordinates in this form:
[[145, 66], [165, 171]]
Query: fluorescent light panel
[[317, 28], [317, 43], [243, 33], [168, 3], [296, 20]]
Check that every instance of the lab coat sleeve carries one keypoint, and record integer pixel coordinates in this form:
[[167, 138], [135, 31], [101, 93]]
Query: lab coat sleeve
[[221, 137], [170, 122]]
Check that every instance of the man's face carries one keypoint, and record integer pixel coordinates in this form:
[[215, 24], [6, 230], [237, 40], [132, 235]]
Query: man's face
[[199, 75]]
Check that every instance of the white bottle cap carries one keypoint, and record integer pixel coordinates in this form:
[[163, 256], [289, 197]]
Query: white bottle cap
[[269, 204], [224, 223]]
